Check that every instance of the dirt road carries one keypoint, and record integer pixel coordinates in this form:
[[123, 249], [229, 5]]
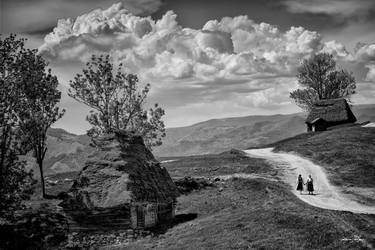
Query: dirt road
[[326, 196]]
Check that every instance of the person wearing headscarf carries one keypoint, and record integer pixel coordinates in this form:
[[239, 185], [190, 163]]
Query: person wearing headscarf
[[310, 185], [300, 184]]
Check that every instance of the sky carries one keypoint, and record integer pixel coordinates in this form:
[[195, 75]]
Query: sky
[[204, 59]]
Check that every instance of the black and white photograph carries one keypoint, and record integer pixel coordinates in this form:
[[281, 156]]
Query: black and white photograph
[[187, 124]]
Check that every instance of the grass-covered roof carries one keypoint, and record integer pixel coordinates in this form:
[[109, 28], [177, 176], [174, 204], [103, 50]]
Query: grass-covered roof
[[333, 110]]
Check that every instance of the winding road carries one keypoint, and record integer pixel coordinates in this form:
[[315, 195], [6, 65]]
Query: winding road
[[326, 195]]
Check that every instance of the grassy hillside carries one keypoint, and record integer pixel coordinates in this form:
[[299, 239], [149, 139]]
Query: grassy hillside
[[253, 214], [256, 214], [218, 135], [259, 213], [229, 162], [348, 154]]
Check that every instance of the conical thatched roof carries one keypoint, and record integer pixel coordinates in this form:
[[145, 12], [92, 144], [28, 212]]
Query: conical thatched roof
[[121, 171], [333, 110]]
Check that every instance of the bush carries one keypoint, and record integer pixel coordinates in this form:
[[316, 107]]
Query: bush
[[16, 185], [188, 184]]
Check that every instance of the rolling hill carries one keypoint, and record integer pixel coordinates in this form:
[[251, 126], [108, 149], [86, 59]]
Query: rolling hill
[[68, 152], [218, 135]]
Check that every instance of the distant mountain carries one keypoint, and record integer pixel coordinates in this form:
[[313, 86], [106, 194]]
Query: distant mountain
[[365, 112], [218, 135], [68, 152]]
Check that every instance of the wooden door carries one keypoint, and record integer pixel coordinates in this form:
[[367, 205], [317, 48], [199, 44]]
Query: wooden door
[[140, 217]]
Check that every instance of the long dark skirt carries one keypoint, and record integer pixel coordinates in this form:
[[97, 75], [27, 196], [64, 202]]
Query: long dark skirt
[[310, 187], [300, 186]]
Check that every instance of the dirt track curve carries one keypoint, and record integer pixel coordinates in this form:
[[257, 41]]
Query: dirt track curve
[[326, 195]]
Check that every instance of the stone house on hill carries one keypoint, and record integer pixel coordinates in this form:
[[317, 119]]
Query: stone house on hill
[[328, 113]]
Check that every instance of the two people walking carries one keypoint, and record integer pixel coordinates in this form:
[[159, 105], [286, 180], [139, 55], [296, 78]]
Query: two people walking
[[309, 183]]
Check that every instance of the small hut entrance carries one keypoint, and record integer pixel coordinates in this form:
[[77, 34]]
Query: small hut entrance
[[318, 124], [140, 217], [145, 215]]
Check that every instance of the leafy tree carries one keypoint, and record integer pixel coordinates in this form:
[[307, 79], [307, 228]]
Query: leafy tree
[[15, 181], [41, 112], [117, 101], [322, 80], [28, 101]]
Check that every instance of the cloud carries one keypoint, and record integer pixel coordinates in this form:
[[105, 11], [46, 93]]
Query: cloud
[[371, 73], [363, 57], [343, 8], [365, 54], [232, 48], [335, 48], [38, 16]]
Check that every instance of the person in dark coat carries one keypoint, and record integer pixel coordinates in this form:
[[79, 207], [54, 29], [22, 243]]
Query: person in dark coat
[[310, 185], [300, 184]]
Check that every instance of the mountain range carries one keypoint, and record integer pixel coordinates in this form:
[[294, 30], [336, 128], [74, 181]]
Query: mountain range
[[68, 152]]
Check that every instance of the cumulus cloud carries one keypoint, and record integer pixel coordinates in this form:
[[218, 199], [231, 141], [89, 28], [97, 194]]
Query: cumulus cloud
[[233, 61], [371, 73], [365, 53], [162, 49], [335, 48]]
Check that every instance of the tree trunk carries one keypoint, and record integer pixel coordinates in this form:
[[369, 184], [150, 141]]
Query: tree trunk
[[40, 163]]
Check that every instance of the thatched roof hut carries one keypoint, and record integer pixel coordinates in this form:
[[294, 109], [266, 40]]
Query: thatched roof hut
[[121, 185], [327, 113]]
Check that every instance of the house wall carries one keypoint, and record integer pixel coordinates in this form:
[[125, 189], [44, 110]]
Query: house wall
[[146, 215], [105, 218], [308, 127], [134, 215]]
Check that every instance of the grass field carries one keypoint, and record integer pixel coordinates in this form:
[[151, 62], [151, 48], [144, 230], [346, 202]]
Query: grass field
[[230, 162], [348, 154], [259, 213], [253, 213]]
